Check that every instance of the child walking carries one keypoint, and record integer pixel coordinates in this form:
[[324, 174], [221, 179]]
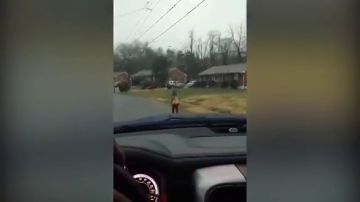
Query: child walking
[[175, 102]]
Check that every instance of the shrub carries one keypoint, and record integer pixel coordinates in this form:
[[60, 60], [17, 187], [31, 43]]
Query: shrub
[[149, 85], [136, 82], [212, 84], [199, 84], [234, 84], [225, 84], [202, 84], [124, 86], [144, 84], [152, 85]]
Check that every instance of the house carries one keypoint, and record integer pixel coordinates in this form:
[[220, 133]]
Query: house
[[142, 75], [174, 74], [221, 73]]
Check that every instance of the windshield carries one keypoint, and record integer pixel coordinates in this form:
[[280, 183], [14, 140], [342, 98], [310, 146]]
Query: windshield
[[179, 57]]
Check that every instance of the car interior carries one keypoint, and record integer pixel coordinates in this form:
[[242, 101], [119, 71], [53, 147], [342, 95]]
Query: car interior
[[187, 164]]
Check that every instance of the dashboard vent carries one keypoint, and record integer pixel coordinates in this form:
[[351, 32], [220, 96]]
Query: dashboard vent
[[227, 193]]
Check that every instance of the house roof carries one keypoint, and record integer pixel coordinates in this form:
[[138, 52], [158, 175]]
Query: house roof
[[224, 69], [172, 69], [119, 73], [144, 72]]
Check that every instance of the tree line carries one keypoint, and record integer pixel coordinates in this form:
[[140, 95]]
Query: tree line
[[198, 55]]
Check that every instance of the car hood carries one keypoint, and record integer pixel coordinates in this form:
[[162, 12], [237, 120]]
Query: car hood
[[163, 121]]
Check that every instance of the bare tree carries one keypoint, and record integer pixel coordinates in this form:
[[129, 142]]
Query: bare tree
[[198, 49], [192, 41], [212, 35], [224, 45], [206, 46], [201, 51], [239, 41]]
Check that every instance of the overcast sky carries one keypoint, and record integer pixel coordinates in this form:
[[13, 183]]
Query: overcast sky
[[210, 15]]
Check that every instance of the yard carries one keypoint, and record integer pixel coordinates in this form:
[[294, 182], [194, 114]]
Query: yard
[[201, 100]]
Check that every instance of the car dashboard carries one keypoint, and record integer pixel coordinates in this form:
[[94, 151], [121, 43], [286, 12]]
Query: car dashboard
[[187, 164]]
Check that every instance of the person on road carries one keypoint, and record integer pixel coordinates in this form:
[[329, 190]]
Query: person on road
[[175, 102]]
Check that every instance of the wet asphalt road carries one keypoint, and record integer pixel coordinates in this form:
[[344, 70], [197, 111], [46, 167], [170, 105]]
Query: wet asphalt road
[[129, 108]]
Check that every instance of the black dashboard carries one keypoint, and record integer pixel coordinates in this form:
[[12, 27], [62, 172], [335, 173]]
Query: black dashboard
[[166, 160]]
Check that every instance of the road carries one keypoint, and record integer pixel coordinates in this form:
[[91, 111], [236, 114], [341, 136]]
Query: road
[[129, 108]]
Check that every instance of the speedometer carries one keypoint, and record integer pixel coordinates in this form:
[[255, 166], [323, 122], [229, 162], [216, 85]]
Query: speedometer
[[149, 185]]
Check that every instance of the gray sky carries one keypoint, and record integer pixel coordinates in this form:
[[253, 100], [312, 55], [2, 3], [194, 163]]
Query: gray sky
[[210, 15]]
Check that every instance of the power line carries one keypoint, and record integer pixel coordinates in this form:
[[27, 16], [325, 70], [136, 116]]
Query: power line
[[147, 8], [134, 11], [159, 19], [147, 17], [136, 25], [177, 21], [129, 13]]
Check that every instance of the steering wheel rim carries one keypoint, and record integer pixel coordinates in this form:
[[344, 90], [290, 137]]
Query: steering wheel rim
[[124, 183]]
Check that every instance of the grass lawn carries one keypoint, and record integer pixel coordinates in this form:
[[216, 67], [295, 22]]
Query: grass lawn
[[201, 100]]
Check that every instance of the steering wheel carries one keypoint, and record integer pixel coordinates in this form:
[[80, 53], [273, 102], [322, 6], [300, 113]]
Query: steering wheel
[[125, 187]]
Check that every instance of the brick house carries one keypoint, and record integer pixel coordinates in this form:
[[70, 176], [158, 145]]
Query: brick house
[[175, 74], [221, 73]]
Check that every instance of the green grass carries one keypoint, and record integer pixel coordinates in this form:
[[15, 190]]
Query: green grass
[[201, 100]]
